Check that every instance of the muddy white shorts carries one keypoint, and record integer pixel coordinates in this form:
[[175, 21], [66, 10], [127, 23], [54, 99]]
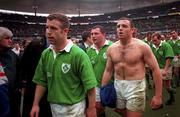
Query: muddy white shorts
[[130, 94], [168, 75], [176, 62], [76, 110]]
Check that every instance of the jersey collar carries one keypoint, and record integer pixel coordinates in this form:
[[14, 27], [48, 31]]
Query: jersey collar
[[106, 43], [67, 48], [159, 45]]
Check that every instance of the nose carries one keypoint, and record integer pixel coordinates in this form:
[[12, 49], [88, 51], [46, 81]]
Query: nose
[[10, 40], [92, 35], [120, 27], [48, 31]]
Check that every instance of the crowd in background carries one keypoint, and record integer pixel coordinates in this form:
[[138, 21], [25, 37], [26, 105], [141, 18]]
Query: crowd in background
[[29, 42]]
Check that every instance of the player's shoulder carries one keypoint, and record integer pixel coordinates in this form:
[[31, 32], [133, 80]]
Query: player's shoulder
[[114, 45], [140, 42], [142, 45]]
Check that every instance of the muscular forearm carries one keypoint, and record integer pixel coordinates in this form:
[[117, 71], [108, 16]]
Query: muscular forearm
[[106, 78], [167, 65], [91, 98], [157, 76], [91, 110], [40, 90]]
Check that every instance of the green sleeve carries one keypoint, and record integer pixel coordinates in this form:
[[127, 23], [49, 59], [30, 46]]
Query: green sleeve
[[40, 75], [87, 74]]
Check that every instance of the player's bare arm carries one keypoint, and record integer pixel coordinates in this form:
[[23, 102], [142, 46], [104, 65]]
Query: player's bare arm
[[151, 61], [109, 68]]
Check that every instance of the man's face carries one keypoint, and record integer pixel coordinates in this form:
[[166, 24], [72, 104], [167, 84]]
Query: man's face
[[148, 36], [155, 40], [163, 37], [90, 41], [54, 32], [97, 36], [174, 35], [124, 29], [6, 42]]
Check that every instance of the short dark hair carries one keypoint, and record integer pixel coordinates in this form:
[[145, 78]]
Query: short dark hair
[[85, 35], [61, 18], [129, 19], [100, 27]]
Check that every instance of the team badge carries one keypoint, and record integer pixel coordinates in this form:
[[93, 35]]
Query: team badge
[[65, 67], [161, 52], [104, 56]]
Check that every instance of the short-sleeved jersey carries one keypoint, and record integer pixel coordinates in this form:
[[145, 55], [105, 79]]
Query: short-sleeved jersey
[[175, 44], [98, 60], [162, 53], [67, 76]]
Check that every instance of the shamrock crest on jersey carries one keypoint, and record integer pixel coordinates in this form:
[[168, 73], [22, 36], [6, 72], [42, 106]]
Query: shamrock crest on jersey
[[65, 67]]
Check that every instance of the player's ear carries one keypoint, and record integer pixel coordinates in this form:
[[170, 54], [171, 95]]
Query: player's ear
[[66, 30]]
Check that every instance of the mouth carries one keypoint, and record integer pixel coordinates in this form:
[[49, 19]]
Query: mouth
[[120, 34], [94, 39], [50, 38]]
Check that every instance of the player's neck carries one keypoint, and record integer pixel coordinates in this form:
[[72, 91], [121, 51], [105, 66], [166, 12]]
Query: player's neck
[[100, 45], [61, 46], [125, 42]]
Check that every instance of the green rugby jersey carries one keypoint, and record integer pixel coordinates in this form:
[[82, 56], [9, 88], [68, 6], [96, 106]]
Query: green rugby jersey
[[67, 76], [164, 51], [175, 46], [98, 60]]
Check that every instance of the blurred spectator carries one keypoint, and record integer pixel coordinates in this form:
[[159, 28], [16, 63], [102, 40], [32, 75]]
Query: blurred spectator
[[86, 42], [9, 62], [30, 58], [16, 49]]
